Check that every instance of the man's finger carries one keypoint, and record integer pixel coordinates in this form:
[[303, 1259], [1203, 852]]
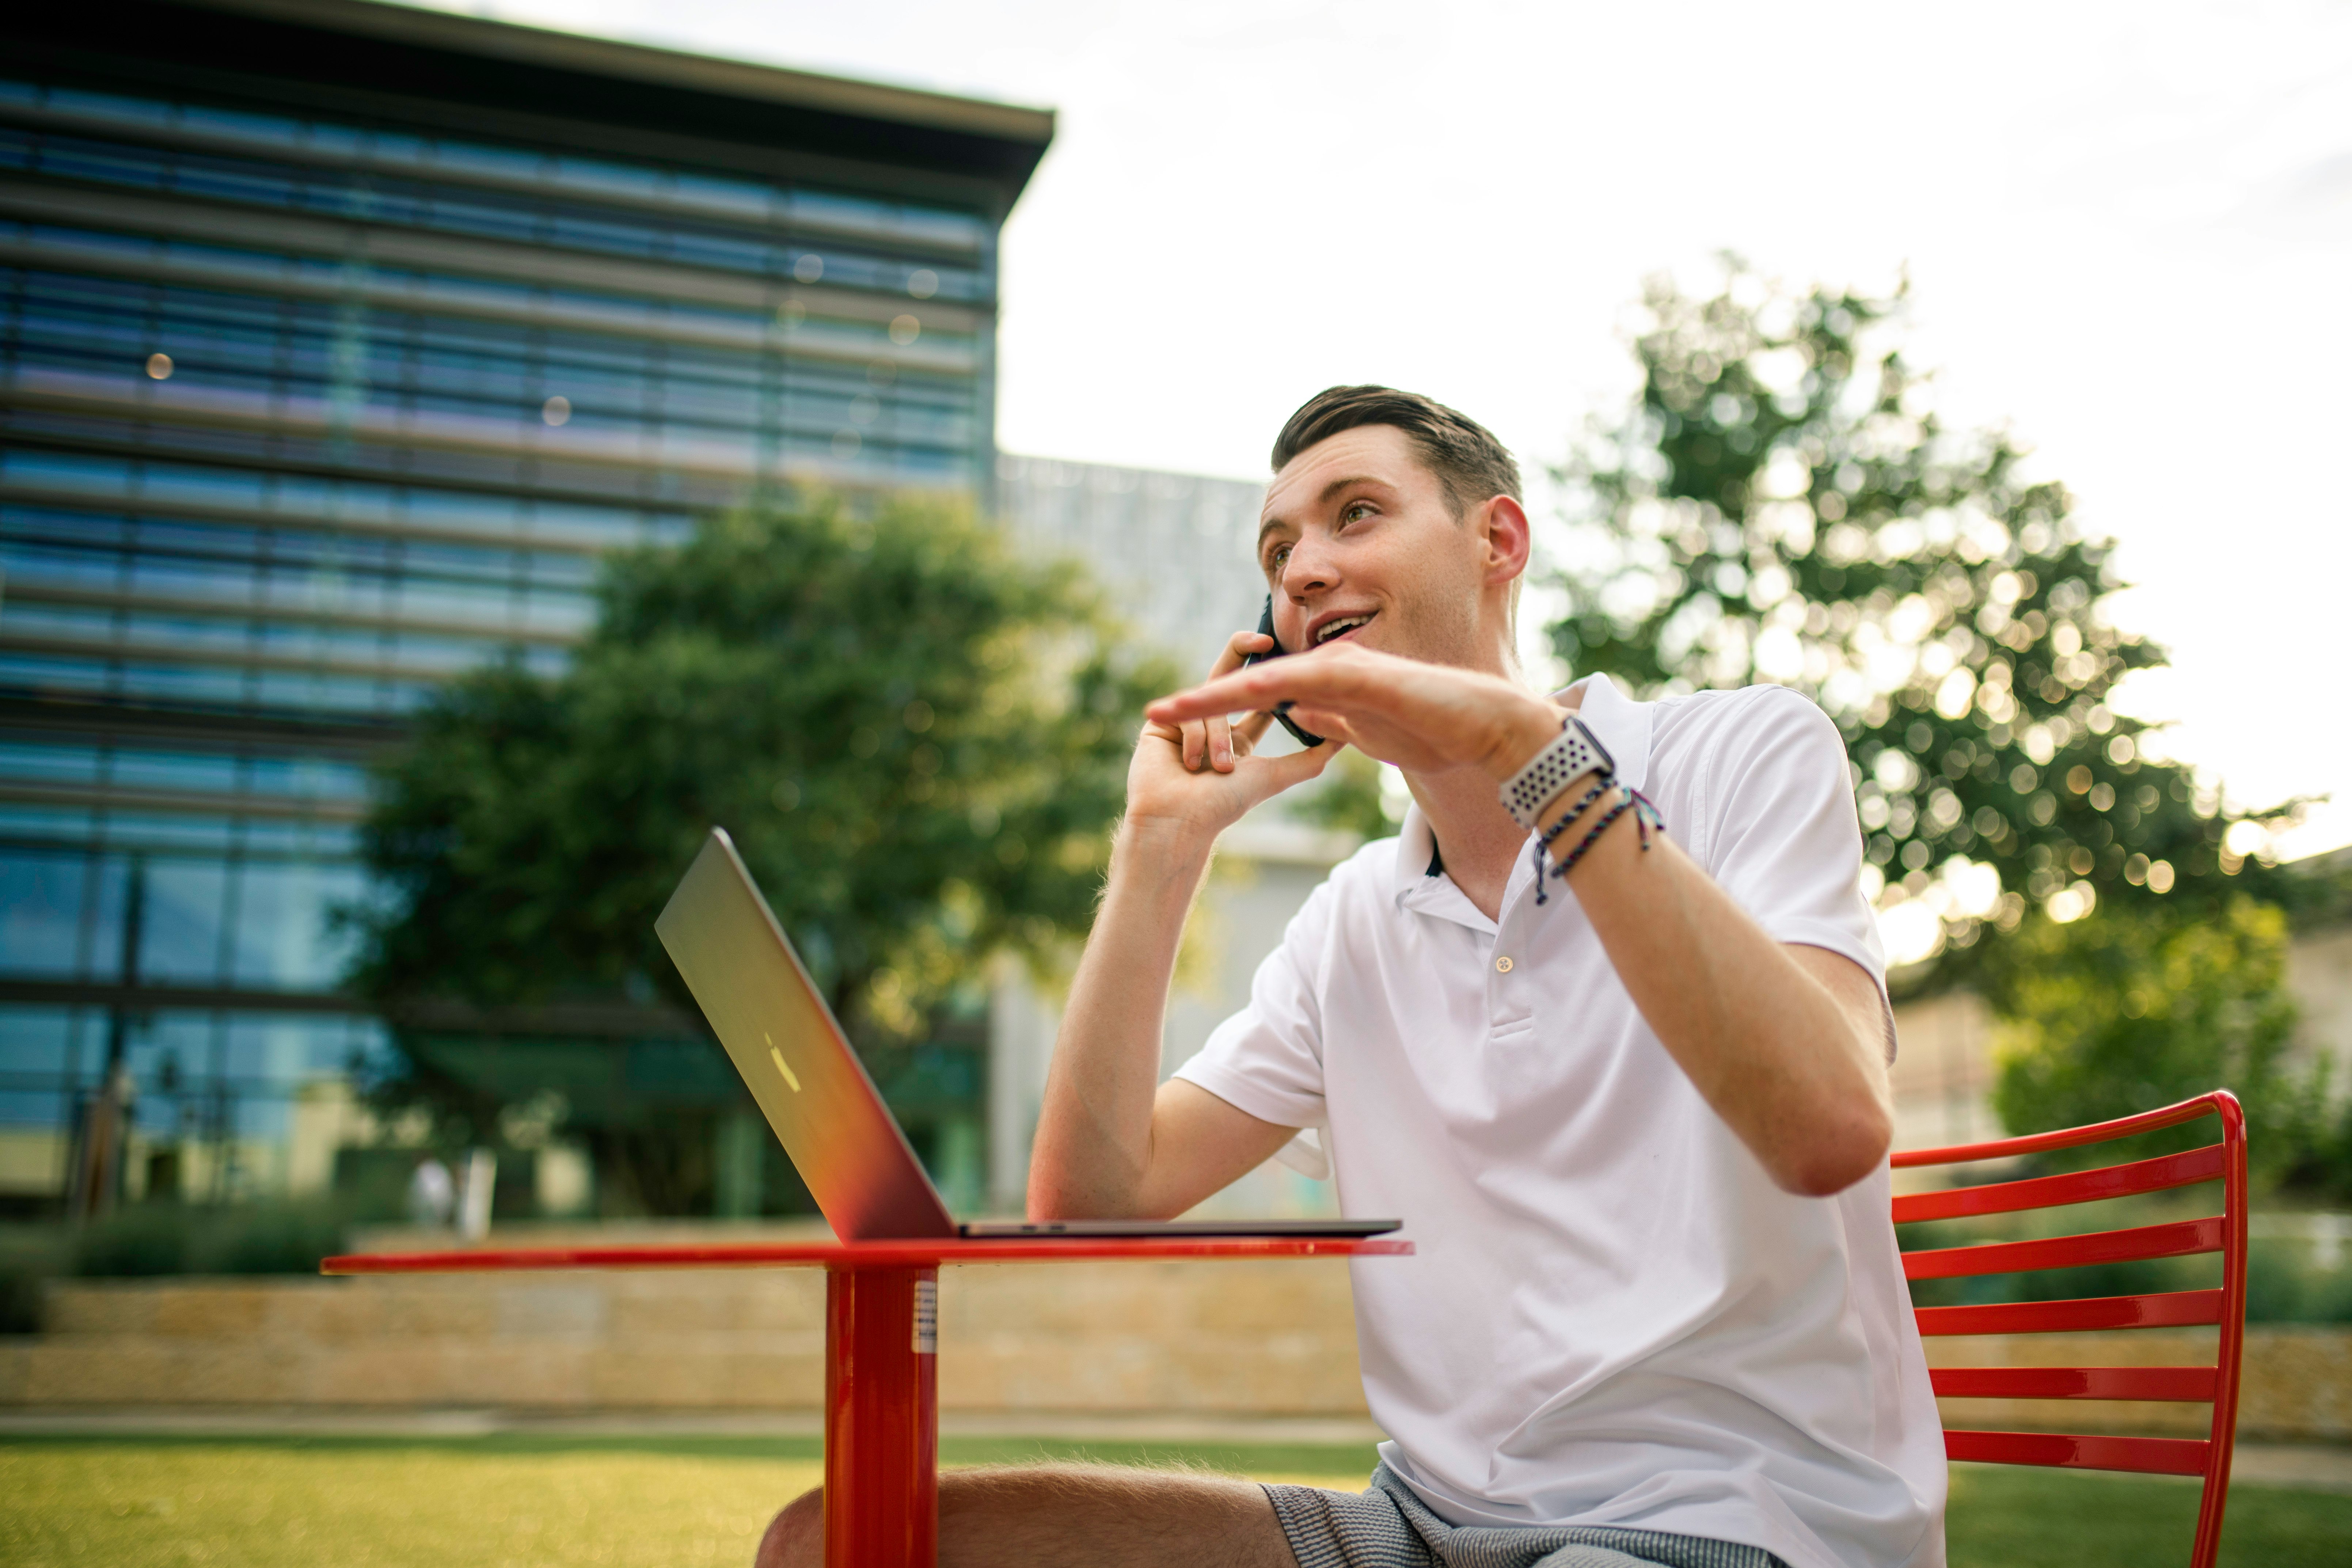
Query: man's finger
[[1252, 730], [1306, 678], [1332, 726], [1208, 744], [1237, 648], [1299, 766]]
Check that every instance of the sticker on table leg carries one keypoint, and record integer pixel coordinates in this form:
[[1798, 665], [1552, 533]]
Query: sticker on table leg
[[926, 1317]]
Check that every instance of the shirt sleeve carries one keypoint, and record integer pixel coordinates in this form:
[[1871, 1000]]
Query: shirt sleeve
[[1268, 1058], [1785, 840]]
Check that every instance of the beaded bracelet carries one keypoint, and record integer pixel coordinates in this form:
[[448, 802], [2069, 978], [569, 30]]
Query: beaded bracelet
[[1646, 817]]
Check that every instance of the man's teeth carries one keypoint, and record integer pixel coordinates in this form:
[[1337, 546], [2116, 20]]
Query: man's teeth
[[1340, 628]]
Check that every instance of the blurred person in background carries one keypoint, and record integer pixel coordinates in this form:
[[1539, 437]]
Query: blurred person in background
[[1638, 1135], [432, 1194]]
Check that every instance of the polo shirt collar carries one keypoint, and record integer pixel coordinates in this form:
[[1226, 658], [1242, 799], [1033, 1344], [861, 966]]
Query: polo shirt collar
[[1616, 721], [1416, 852]]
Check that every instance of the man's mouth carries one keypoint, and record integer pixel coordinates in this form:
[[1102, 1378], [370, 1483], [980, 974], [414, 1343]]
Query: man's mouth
[[1339, 627]]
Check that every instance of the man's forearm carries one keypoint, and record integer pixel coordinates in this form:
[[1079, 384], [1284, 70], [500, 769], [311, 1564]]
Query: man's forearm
[[1782, 1059], [1093, 1148]]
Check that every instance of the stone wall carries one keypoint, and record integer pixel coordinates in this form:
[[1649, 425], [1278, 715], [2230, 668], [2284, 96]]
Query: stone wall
[[1266, 1338], [2295, 1381], [1233, 1339]]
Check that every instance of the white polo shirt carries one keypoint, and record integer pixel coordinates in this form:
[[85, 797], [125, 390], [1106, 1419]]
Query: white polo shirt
[[1613, 1315]]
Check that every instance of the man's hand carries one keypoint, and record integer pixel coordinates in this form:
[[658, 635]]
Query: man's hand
[[1112, 1140], [1200, 773], [1424, 717]]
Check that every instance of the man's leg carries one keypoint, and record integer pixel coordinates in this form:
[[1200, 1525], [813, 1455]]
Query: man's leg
[[1073, 1516]]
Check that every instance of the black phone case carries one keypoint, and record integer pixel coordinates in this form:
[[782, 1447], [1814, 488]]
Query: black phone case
[[1282, 710]]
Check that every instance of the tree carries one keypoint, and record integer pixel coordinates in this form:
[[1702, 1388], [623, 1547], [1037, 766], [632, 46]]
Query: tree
[[1781, 502], [2145, 1006], [915, 741]]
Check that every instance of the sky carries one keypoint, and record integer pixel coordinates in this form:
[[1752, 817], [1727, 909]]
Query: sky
[[2128, 228]]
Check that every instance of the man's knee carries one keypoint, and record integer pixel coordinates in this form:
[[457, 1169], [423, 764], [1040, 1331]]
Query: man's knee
[[795, 1537], [1055, 1514], [1096, 1516]]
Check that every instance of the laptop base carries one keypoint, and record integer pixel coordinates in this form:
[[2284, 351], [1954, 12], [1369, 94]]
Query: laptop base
[[1013, 1229]]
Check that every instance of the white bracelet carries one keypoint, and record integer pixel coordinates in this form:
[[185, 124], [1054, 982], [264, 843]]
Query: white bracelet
[[1573, 753]]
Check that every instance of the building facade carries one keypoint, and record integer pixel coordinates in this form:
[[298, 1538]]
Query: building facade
[[1176, 554], [1176, 551], [340, 339]]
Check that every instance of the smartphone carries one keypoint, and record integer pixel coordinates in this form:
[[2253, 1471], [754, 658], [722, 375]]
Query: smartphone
[[1281, 709]]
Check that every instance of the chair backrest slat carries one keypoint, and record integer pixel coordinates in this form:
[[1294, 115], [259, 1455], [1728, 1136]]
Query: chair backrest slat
[[2179, 1238], [2068, 1137], [2225, 1308], [2147, 1456], [2184, 1384], [2155, 1176], [2166, 1310]]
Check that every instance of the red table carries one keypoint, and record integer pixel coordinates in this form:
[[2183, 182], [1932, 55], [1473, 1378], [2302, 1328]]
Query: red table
[[881, 1370]]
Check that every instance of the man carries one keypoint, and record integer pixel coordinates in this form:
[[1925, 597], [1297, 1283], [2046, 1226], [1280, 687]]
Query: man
[[1622, 1074]]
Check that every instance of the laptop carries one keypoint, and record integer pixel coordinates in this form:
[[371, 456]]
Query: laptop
[[814, 1090]]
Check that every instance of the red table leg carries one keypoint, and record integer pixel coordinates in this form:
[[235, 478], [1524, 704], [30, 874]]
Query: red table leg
[[881, 1417]]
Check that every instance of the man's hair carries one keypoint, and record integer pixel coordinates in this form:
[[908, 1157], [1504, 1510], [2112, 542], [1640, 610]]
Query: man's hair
[[1471, 466]]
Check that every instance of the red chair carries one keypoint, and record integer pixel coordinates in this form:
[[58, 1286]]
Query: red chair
[[2225, 1233]]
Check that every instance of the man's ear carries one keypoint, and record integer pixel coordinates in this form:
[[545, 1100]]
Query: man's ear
[[1509, 539]]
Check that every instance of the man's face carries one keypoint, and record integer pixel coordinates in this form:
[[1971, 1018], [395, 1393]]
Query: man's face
[[1357, 543]]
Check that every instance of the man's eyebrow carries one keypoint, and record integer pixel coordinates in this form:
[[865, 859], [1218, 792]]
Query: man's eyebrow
[[1322, 497], [1336, 486]]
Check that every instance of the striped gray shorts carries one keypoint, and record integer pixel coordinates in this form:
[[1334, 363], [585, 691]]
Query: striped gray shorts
[[1386, 1526]]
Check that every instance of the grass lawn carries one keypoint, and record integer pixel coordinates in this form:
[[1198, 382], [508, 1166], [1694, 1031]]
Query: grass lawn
[[516, 1499]]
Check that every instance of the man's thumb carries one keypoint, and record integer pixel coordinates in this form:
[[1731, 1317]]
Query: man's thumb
[[1304, 764]]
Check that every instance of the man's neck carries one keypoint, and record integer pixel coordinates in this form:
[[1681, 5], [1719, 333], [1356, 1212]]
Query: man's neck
[[1476, 839]]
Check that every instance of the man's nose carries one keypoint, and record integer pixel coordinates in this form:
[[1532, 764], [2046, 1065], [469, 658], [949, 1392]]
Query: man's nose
[[1309, 568]]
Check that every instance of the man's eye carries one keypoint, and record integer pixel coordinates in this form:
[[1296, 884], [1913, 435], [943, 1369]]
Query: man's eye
[[1277, 556], [1354, 510]]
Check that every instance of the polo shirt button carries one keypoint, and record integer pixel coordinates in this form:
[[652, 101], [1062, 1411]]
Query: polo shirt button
[[1503, 964]]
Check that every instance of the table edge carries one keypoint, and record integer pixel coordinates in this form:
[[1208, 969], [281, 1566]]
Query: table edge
[[852, 1256]]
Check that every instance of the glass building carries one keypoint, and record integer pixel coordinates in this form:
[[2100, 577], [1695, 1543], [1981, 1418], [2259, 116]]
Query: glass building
[[338, 341]]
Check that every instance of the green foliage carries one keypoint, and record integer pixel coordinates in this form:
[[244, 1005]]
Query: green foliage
[[2137, 1007], [1347, 798], [279, 1237], [162, 1238], [915, 741], [2284, 1280], [2284, 1286], [1781, 503], [2322, 1166], [30, 1255]]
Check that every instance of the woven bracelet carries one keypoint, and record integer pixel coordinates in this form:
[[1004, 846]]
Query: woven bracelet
[[1568, 819], [1646, 817]]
